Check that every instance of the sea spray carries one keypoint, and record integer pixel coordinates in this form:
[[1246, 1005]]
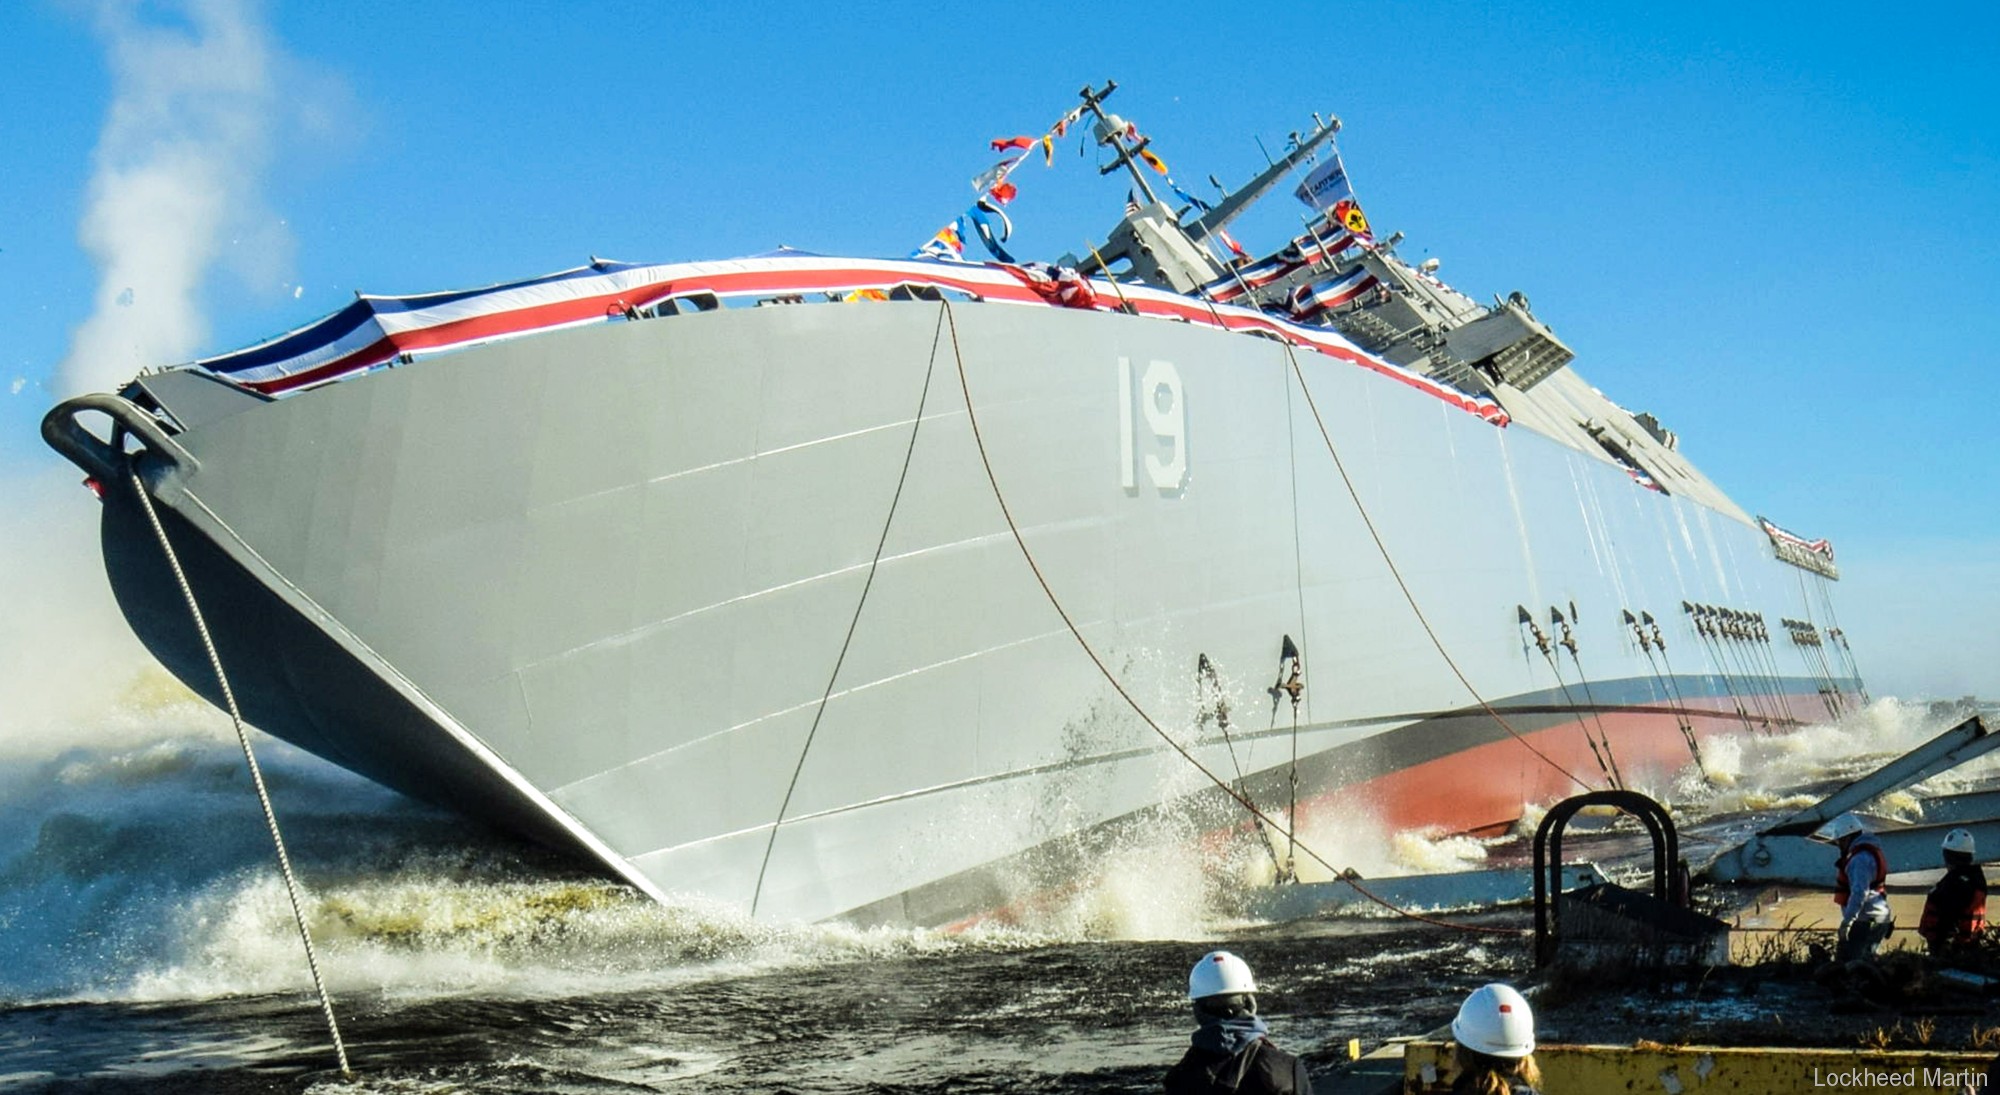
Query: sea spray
[[142, 872], [70, 668], [1754, 772], [133, 866], [1352, 840]]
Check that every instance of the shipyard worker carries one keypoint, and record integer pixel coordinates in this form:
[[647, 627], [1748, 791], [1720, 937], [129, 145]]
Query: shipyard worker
[[1493, 1044], [1859, 887], [1232, 1052], [1955, 911]]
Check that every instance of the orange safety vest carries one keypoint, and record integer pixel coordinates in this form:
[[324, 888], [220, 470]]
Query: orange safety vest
[[1840, 892]]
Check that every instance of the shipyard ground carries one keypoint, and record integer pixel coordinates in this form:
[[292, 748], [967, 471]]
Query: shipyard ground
[[1781, 1017]]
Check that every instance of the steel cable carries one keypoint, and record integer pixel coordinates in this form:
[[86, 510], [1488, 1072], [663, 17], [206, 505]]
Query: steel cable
[[256, 772]]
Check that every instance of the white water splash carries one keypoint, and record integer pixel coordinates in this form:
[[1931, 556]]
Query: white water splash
[[429, 930], [1756, 772], [1359, 842], [144, 873], [70, 670]]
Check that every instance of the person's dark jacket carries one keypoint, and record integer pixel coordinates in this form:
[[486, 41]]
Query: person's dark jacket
[[1260, 1068], [1464, 1083], [1955, 911]]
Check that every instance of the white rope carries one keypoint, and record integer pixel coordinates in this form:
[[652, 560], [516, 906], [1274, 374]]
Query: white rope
[[256, 773]]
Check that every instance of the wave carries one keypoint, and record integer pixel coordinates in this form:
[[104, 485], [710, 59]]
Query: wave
[[135, 865], [145, 873], [1784, 772]]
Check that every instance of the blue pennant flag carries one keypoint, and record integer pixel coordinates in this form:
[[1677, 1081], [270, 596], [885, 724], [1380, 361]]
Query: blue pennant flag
[[982, 215]]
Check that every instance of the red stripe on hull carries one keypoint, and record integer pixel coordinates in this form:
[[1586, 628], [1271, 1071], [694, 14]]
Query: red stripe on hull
[[1482, 789]]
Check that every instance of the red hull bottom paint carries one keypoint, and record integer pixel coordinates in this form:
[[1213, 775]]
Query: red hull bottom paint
[[1482, 790]]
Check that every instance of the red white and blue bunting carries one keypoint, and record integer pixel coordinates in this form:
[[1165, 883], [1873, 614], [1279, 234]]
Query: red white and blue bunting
[[1782, 536], [1312, 299], [1306, 250], [375, 332]]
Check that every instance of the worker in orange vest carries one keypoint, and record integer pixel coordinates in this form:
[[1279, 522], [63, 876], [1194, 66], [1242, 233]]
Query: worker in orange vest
[[1859, 887], [1955, 911]]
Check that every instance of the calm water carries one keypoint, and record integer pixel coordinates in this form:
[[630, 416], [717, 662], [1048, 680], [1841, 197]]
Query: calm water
[[146, 945]]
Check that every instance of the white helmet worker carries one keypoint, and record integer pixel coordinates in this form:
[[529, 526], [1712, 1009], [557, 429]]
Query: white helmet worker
[[1958, 840], [1495, 1020], [1839, 829], [1218, 973]]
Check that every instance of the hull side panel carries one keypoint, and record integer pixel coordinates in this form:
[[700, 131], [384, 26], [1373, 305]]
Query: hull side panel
[[630, 558]]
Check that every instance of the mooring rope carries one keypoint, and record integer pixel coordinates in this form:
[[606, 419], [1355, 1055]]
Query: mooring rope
[[1760, 683], [256, 773], [1291, 870], [1369, 522], [874, 563], [1853, 668], [1569, 701], [1617, 777], [1768, 656], [1205, 671], [1278, 863], [1570, 625], [1714, 654], [1836, 706], [1668, 690], [1118, 686]]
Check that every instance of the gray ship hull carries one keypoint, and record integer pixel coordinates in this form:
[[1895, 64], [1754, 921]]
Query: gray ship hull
[[733, 603]]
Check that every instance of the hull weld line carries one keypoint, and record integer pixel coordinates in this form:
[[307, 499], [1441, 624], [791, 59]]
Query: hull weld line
[[1397, 574], [1055, 603], [874, 564], [244, 555]]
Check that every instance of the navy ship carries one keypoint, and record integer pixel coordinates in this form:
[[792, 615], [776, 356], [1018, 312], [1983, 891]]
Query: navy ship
[[900, 590]]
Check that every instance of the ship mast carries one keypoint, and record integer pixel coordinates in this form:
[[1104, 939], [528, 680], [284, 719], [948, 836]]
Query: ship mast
[[1303, 148], [1113, 133]]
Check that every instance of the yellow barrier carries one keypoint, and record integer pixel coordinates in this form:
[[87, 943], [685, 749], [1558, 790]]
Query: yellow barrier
[[1714, 1070]]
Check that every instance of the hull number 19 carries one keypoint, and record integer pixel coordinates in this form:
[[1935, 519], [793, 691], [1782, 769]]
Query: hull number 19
[[1162, 445]]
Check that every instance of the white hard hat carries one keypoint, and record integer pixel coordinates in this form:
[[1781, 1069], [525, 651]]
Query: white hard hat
[[1219, 972], [1495, 1020], [1840, 828], [1958, 840]]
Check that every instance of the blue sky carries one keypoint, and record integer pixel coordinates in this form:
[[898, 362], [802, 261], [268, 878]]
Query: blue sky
[[1773, 226]]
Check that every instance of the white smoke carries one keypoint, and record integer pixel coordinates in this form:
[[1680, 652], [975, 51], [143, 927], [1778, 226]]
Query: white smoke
[[176, 181], [70, 669], [174, 195]]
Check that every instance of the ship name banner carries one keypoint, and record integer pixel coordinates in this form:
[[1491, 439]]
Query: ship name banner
[[1813, 555]]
